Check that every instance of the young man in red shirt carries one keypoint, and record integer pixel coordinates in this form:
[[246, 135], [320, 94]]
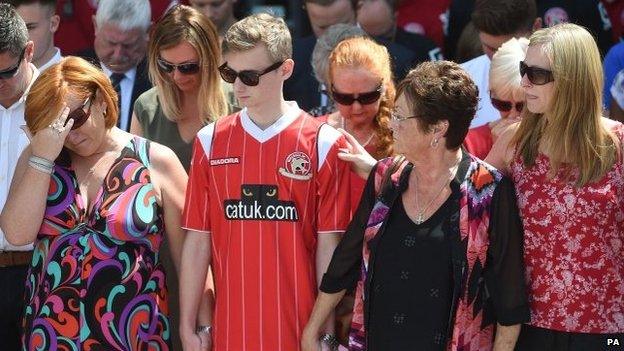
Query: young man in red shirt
[[266, 203]]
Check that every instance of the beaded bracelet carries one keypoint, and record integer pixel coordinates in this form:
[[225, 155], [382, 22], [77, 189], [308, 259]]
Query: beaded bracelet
[[41, 168], [42, 161]]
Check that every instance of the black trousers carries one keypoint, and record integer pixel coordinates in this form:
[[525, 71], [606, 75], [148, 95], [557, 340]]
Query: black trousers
[[12, 281], [539, 339]]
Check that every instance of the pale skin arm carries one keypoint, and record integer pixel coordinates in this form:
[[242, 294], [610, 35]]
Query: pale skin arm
[[135, 126], [506, 337], [196, 257], [323, 308], [25, 207], [326, 245]]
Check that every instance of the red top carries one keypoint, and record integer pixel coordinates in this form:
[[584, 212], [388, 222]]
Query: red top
[[265, 195], [424, 17], [574, 252], [479, 141]]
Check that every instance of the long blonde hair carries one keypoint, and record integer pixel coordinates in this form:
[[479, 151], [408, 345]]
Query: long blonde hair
[[184, 24], [364, 52], [570, 132]]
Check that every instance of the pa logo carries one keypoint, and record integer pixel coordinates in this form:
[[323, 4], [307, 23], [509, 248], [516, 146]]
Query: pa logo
[[613, 342]]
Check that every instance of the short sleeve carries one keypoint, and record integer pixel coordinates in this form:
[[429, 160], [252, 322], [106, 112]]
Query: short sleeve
[[504, 273], [617, 89], [196, 215], [344, 269], [333, 183]]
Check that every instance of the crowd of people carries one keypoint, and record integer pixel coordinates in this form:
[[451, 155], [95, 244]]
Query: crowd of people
[[190, 181]]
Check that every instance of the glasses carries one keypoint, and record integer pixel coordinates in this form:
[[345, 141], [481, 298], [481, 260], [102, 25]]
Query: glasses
[[366, 98], [395, 117], [248, 77], [11, 72], [506, 106], [537, 76], [79, 115], [184, 68]]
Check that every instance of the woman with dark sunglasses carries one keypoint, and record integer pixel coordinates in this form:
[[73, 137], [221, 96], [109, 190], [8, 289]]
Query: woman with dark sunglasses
[[183, 57], [506, 95], [566, 161], [95, 200], [435, 246]]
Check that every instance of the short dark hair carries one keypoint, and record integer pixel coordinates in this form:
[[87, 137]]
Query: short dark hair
[[438, 91], [504, 17], [13, 31], [17, 3]]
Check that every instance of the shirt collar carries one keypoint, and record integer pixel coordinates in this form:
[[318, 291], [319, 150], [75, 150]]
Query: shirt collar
[[55, 59], [129, 74]]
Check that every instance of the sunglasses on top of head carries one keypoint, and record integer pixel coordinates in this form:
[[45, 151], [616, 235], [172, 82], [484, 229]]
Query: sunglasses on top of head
[[247, 77], [506, 106], [79, 115], [536, 75], [366, 98], [11, 72], [184, 68]]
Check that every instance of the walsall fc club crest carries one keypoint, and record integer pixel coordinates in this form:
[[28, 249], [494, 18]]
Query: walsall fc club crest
[[297, 166]]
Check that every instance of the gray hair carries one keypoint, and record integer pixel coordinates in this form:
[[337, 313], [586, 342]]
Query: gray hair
[[326, 44], [13, 31], [127, 14]]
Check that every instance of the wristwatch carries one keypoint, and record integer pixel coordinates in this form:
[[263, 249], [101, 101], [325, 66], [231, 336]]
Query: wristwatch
[[203, 329], [330, 341]]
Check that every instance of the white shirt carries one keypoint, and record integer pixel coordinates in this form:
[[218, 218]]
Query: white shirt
[[479, 70], [55, 59], [13, 141], [126, 85]]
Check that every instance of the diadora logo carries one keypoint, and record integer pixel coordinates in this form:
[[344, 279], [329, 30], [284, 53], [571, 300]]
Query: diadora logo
[[297, 166], [260, 202], [224, 161]]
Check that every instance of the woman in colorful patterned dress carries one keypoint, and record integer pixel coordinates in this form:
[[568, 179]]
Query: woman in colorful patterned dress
[[96, 201], [566, 163], [435, 247]]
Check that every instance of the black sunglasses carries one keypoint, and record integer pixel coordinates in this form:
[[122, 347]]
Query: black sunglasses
[[248, 77], [79, 115], [11, 72], [506, 106], [184, 68], [363, 98], [537, 76]]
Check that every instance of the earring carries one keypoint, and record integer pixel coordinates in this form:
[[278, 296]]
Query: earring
[[434, 143]]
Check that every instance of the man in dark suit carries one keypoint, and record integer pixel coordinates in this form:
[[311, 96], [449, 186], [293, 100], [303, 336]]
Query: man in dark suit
[[121, 36], [302, 86]]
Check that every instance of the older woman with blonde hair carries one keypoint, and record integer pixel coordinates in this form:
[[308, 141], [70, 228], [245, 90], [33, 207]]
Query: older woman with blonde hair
[[565, 159], [95, 200], [183, 56]]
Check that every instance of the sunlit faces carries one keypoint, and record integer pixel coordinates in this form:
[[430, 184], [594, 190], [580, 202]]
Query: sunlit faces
[[86, 139], [356, 81], [322, 17], [183, 53], [506, 105], [408, 136], [376, 17], [42, 23], [120, 50], [269, 88], [14, 72], [537, 96]]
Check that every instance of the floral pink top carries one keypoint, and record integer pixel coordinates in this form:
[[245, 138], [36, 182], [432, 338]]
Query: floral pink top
[[573, 247]]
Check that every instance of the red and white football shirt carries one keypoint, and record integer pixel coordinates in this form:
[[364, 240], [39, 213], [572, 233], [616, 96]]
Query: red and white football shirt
[[265, 195]]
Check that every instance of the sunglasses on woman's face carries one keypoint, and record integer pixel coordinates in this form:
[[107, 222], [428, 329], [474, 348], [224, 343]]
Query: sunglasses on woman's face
[[79, 115], [11, 72], [247, 77], [366, 98], [537, 76], [506, 106], [184, 68]]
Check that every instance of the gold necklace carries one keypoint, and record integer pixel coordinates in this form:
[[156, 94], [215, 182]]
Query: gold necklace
[[420, 215], [342, 125]]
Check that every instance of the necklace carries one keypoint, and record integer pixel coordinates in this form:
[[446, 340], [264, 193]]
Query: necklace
[[93, 168], [342, 125], [420, 215]]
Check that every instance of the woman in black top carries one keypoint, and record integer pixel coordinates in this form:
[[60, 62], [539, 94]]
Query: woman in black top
[[436, 253]]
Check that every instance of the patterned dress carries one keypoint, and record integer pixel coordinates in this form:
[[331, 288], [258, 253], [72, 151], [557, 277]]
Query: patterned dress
[[96, 281]]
